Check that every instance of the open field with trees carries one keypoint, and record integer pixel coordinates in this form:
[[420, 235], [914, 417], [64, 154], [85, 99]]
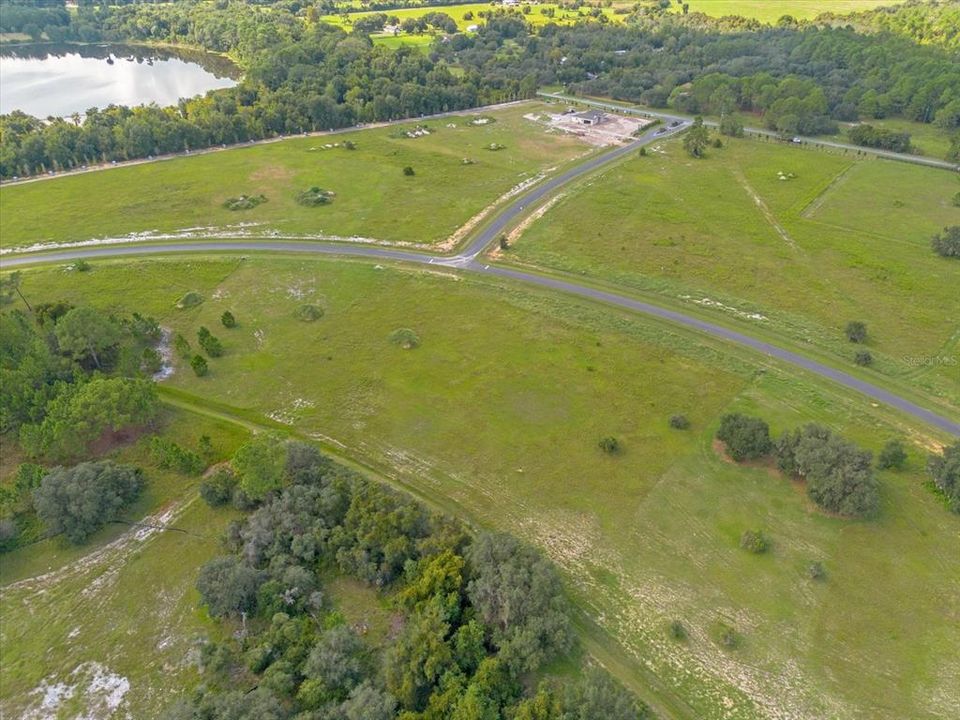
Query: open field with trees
[[788, 240], [371, 198], [469, 417]]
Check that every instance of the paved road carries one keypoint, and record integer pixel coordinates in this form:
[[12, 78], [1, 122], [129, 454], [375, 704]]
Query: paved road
[[617, 107], [471, 264]]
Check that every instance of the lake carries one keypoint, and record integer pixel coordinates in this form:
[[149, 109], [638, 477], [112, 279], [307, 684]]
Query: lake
[[45, 79]]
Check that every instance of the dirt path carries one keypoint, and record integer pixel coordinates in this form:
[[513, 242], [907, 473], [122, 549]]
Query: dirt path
[[764, 209]]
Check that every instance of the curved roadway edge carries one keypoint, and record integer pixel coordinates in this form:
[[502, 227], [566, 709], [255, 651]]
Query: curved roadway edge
[[468, 262], [631, 110]]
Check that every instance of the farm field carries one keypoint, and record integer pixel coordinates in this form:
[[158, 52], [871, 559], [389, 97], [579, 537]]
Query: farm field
[[836, 240], [472, 419], [769, 11], [373, 198]]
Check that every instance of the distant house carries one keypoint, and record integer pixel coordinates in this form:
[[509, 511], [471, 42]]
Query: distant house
[[590, 117]]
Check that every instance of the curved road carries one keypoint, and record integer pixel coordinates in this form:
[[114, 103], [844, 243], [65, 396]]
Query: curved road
[[467, 260]]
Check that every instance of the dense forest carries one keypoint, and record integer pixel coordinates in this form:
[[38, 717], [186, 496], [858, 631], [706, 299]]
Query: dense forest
[[303, 75]]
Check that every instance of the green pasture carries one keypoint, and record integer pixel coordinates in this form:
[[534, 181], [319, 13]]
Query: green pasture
[[769, 11], [496, 417], [373, 197], [842, 239]]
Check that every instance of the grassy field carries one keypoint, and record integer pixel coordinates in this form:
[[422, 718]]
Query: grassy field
[[535, 17], [840, 240], [374, 199], [496, 416], [769, 11], [118, 613]]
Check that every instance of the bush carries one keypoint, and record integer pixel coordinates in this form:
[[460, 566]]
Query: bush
[[839, 475], [727, 637], [78, 501], [754, 541], [218, 489], [863, 358], [309, 313], [405, 338], [189, 300], [893, 456], [816, 571], [408, 171], [228, 320], [677, 631], [947, 243], [199, 365], [82, 266], [945, 471], [210, 343], [856, 331], [169, 456], [679, 422], [746, 438], [228, 586], [244, 202], [610, 445], [314, 196], [182, 346], [151, 362]]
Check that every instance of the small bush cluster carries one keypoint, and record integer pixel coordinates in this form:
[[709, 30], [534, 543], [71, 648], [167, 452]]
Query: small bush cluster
[[209, 342], [189, 300], [944, 469], [679, 422], [228, 320], [314, 196], [168, 455], [244, 202], [610, 445], [405, 338], [947, 243], [754, 541], [309, 313]]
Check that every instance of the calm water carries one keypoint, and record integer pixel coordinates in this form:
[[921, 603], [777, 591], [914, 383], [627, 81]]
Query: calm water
[[45, 80]]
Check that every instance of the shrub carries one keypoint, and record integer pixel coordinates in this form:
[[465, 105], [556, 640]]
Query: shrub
[[679, 422], [228, 320], [199, 365], [78, 501], [244, 202], [731, 126], [182, 346], [218, 489], [754, 541], [210, 343], [408, 171], [189, 300], [170, 456], [677, 631], [82, 266], [727, 637], [309, 313], [945, 471], [746, 438], [349, 145], [856, 331], [405, 338], [893, 456], [839, 475], [228, 586], [314, 196], [151, 361], [956, 200], [609, 445], [816, 571], [863, 358], [947, 243]]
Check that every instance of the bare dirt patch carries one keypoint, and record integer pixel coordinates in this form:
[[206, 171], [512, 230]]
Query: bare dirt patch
[[611, 130], [272, 174]]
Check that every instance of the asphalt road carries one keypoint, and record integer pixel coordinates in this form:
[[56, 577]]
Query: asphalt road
[[617, 107], [472, 265]]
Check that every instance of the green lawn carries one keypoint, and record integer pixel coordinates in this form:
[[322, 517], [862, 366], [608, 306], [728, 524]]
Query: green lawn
[[841, 240], [496, 416], [374, 199], [769, 11]]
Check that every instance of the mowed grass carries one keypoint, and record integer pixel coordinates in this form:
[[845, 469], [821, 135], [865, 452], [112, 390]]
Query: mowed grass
[[496, 417], [769, 11], [842, 240], [374, 199], [122, 607]]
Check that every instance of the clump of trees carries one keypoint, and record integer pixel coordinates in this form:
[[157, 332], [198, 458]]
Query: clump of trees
[[839, 475], [79, 500], [477, 615], [745, 437], [877, 137], [947, 243], [209, 342], [944, 469]]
